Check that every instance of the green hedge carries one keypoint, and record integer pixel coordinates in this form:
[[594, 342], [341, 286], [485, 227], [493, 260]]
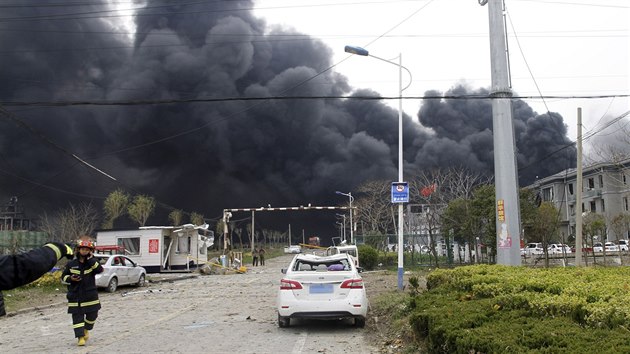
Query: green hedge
[[495, 309]]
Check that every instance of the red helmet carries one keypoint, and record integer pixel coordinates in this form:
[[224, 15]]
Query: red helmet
[[86, 244]]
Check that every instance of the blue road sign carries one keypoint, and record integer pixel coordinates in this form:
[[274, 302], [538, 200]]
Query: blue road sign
[[400, 192]]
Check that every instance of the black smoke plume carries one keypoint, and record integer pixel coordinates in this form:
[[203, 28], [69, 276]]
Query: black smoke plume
[[237, 154]]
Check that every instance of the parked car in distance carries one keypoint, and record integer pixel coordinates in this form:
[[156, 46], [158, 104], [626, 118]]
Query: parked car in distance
[[623, 245], [118, 270], [611, 247], [321, 287], [598, 247], [558, 248], [293, 249], [534, 248]]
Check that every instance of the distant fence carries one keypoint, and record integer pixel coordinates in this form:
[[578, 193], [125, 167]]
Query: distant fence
[[20, 241]]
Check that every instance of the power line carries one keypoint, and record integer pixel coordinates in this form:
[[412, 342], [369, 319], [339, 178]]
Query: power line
[[284, 98]]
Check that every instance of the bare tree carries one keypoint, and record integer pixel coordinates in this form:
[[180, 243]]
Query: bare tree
[[176, 217], [374, 206], [114, 206], [68, 224], [141, 208]]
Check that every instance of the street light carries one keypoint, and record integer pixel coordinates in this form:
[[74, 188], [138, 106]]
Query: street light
[[364, 52], [344, 226], [349, 195]]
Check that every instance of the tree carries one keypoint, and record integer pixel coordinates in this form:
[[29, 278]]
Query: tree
[[114, 206], [68, 224], [197, 219], [176, 217], [594, 225], [141, 208], [374, 207], [545, 226]]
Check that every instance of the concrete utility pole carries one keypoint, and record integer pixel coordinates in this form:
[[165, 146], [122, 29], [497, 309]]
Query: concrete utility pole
[[578, 194], [253, 233], [505, 174]]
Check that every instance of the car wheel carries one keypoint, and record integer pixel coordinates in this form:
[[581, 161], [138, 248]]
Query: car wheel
[[283, 322], [113, 285], [140, 280], [359, 322]]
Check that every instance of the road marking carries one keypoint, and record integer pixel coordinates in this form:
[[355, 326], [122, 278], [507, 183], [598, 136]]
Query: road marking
[[299, 343]]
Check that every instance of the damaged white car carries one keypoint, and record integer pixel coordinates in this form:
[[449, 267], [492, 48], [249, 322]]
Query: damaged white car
[[316, 287]]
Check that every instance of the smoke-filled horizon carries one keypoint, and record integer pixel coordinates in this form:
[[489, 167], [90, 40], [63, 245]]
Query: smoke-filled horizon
[[240, 154]]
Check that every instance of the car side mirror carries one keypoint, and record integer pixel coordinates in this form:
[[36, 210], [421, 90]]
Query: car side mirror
[[284, 271]]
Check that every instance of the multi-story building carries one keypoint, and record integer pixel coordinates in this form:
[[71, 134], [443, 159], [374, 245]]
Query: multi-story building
[[606, 190]]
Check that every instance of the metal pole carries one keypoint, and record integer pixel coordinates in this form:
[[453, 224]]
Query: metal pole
[[506, 178], [400, 175], [578, 194], [351, 224], [253, 233]]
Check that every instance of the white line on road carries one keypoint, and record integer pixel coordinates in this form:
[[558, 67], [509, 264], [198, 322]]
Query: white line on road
[[299, 343]]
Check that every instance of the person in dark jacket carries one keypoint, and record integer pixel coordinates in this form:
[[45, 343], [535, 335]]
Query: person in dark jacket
[[21, 269], [83, 303]]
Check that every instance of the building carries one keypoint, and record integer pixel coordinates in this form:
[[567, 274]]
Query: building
[[606, 190]]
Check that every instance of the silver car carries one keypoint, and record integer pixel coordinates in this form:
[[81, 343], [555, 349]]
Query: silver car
[[118, 270]]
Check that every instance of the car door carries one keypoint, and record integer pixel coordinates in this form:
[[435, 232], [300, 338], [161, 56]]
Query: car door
[[119, 265], [133, 272]]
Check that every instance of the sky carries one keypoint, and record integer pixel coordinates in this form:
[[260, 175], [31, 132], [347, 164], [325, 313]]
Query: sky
[[557, 48], [114, 88]]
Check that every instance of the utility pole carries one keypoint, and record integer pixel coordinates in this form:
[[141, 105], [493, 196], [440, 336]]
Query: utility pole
[[578, 194], [303, 238], [253, 233], [505, 174], [289, 234]]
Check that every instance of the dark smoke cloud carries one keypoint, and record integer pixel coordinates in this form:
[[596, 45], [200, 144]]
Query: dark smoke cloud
[[287, 152]]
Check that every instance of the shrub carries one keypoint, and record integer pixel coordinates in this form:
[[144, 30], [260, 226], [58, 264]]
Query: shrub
[[368, 257]]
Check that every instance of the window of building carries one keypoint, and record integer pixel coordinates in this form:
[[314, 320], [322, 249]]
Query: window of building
[[603, 206], [570, 188], [131, 244], [625, 203], [591, 183], [548, 194], [623, 177], [183, 245], [572, 209], [583, 207], [601, 181], [593, 209]]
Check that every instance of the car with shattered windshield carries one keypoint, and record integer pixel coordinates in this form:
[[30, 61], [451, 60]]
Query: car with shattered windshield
[[323, 288]]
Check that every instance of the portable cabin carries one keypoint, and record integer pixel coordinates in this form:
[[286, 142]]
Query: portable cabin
[[161, 248]]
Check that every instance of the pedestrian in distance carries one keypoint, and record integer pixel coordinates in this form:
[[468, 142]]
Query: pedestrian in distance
[[255, 257], [23, 268], [261, 255], [83, 303]]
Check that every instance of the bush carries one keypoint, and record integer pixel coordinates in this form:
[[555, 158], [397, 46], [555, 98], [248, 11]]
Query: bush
[[492, 309], [368, 257]]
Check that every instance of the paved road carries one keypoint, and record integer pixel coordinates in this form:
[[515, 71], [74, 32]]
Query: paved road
[[210, 314]]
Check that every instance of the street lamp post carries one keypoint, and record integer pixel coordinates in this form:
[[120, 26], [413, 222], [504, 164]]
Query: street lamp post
[[364, 52], [351, 198], [343, 216]]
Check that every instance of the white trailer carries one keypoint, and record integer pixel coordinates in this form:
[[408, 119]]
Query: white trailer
[[161, 248]]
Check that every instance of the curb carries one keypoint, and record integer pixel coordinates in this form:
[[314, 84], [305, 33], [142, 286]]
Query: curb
[[37, 308], [168, 280]]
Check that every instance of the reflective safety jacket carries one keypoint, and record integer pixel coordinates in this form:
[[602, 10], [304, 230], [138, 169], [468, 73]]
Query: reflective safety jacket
[[82, 295]]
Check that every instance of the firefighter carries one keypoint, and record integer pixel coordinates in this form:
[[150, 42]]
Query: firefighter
[[83, 302], [21, 269]]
